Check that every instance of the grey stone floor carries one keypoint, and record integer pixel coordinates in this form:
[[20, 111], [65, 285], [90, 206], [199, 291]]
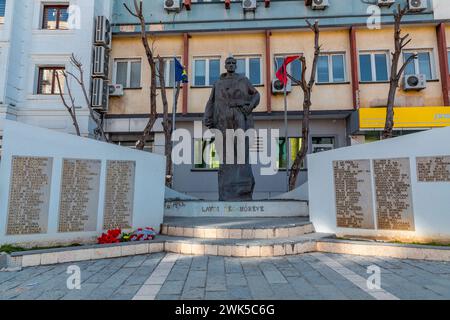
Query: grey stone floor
[[307, 276]]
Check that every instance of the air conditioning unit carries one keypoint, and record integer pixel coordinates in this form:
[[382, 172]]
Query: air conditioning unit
[[101, 62], [385, 3], [249, 5], [417, 5], [116, 90], [172, 5], [414, 82], [100, 93], [278, 87], [320, 4], [102, 31]]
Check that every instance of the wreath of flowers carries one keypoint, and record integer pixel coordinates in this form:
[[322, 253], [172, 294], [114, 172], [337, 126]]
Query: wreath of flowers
[[116, 236]]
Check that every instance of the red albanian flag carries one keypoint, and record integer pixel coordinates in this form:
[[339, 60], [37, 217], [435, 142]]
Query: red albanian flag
[[282, 72]]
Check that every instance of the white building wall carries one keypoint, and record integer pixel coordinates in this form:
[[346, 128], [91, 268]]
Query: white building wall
[[5, 36], [441, 9], [31, 47]]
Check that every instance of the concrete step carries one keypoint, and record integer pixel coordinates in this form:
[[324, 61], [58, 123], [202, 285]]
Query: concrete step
[[243, 247], [236, 228]]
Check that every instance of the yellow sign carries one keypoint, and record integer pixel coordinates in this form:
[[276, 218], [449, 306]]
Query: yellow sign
[[406, 117]]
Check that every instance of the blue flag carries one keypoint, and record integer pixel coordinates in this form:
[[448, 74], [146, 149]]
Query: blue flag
[[180, 72]]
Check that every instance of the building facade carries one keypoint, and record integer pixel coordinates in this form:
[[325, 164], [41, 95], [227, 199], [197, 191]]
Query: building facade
[[37, 39], [348, 101]]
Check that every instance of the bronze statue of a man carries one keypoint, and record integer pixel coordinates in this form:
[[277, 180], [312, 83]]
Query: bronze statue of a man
[[230, 106]]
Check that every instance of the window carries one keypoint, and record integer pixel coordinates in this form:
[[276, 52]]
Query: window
[[169, 72], [295, 145], [448, 59], [421, 65], [2, 10], [207, 71], [128, 73], [331, 68], [55, 17], [211, 160], [320, 144], [250, 67], [294, 68], [373, 66], [48, 80]]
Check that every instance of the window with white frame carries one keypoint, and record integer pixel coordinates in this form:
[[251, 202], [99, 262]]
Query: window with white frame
[[294, 68], [128, 73], [422, 65], [373, 66], [331, 68], [206, 71], [250, 67], [169, 72]]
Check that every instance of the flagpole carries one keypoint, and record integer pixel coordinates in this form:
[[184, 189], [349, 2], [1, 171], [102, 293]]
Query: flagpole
[[174, 112], [174, 109], [286, 141]]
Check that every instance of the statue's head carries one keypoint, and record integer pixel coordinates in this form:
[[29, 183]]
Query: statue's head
[[230, 64]]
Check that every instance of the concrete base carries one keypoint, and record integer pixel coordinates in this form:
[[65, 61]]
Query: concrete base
[[245, 209], [3, 260], [313, 242], [236, 228]]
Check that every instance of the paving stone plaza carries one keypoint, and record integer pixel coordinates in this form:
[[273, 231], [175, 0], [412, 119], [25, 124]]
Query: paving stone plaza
[[170, 276]]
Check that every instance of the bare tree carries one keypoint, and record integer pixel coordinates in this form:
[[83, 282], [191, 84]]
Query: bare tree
[[400, 43], [79, 79], [307, 87], [70, 108], [139, 14], [167, 121]]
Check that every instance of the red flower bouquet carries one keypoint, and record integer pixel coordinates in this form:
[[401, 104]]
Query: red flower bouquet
[[112, 236]]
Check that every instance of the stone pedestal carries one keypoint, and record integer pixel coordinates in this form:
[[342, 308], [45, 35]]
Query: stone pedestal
[[244, 209]]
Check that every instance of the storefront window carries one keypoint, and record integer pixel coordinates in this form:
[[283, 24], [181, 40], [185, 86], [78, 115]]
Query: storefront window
[[211, 160], [320, 144], [373, 136], [295, 145]]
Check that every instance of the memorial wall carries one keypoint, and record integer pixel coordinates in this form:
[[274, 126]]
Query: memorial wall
[[395, 189], [59, 188]]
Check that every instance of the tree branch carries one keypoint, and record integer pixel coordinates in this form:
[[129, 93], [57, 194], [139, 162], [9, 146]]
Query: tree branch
[[98, 119], [70, 109], [139, 14], [405, 64]]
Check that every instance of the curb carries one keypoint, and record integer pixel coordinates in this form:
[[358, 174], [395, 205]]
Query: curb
[[3, 260], [387, 250], [279, 248]]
